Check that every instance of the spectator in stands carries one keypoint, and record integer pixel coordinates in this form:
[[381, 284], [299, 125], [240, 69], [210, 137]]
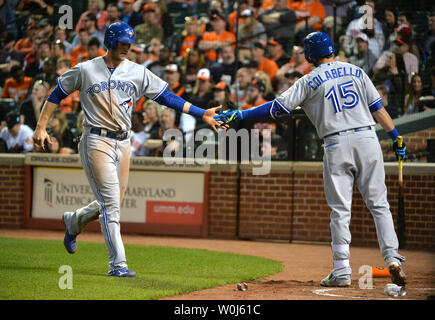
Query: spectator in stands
[[94, 49], [90, 24], [113, 14], [17, 87], [80, 52], [158, 67], [221, 97], [149, 29], [128, 15], [239, 89], [401, 50], [404, 18], [58, 50], [232, 17], [388, 27], [250, 29], [71, 103], [163, 18], [277, 53], [287, 81], [190, 37], [56, 145], [405, 33], [48, 73], [97, 8], [152, 123], [9, 57], [255, 96], [25, 45], [364, 58], [279, 22], [426, 40], [138, 135], [46, 30], [155, 144], [193, 62], [202, 92], [7, 17], [61, 35], [264, 64], [393, 111], [213, 41], [43, 52], [358, 25], [17, 136], [154, 49], [313, 10], [412, 104], [58, 125], [225, 70], [30, 108], [42, 7], [390, 71], [269, 93]]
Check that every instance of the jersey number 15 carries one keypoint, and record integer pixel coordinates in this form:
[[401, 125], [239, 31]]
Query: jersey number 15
[[346, 93]]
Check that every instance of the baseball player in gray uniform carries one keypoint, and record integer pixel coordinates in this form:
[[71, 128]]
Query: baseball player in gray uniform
[[109, 88], [341, 101]]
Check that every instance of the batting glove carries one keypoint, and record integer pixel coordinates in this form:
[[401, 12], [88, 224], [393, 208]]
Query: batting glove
[[229, 116], [400, 151]]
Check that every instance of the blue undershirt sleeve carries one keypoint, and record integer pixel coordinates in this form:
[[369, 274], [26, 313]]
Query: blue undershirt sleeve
[[171, 100], [270, 109], [57, 95]]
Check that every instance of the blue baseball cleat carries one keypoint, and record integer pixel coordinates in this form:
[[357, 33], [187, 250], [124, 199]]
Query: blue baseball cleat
[[122, 273], [69, 241]]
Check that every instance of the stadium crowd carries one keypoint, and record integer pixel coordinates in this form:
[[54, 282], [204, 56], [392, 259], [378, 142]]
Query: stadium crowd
[[238, 54]]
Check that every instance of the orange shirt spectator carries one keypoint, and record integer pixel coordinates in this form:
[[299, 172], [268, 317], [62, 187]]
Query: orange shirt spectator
[[266, 5], [187, 43], [314, 9], [254, 97], [269, 66], [17, 86], [224, 37], [215, 39], [78, 54]]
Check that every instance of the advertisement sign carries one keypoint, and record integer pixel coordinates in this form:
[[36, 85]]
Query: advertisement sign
[[150, 197]]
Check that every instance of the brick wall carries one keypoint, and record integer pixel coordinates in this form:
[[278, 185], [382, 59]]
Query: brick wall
[[11, 195], [415, 142], [288, 204]]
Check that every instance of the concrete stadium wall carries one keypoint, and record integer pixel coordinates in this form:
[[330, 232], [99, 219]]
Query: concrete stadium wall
[[288, 204]]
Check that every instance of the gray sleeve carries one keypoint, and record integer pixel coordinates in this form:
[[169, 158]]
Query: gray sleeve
[[152, 86], [71, 80], [295, 95], [372, 93]]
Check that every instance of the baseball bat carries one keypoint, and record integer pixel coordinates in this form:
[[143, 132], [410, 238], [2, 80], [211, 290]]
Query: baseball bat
[[401, 203]]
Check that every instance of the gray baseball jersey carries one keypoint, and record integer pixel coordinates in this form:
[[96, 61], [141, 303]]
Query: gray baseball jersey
[[108, 99], [335, 96]]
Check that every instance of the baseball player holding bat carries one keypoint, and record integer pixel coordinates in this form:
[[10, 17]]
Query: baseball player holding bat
[[109, 88], [341, 101]]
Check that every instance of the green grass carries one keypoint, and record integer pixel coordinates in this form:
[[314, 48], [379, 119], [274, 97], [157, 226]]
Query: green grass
[[29, 269]]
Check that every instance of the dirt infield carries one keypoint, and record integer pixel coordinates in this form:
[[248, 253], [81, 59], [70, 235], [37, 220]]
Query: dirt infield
[[305, 265]]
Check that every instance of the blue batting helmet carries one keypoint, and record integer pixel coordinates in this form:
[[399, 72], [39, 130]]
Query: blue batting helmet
[[317, 45], [118, 31]]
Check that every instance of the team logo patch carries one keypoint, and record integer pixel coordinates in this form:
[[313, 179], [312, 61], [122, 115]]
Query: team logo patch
[[127, 104]]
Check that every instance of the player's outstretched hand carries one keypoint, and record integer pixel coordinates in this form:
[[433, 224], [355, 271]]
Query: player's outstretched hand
[[400, 151], [209, 118], [40, 136], [229, 116]]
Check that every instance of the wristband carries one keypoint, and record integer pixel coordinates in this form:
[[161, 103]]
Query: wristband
[[196, 112], [393, 134]]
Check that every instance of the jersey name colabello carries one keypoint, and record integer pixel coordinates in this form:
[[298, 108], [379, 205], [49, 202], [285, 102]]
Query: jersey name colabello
[[333, 73]]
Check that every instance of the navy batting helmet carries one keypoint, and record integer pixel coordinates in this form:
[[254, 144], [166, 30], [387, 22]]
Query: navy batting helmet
[[118, 31], [317, 45]]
